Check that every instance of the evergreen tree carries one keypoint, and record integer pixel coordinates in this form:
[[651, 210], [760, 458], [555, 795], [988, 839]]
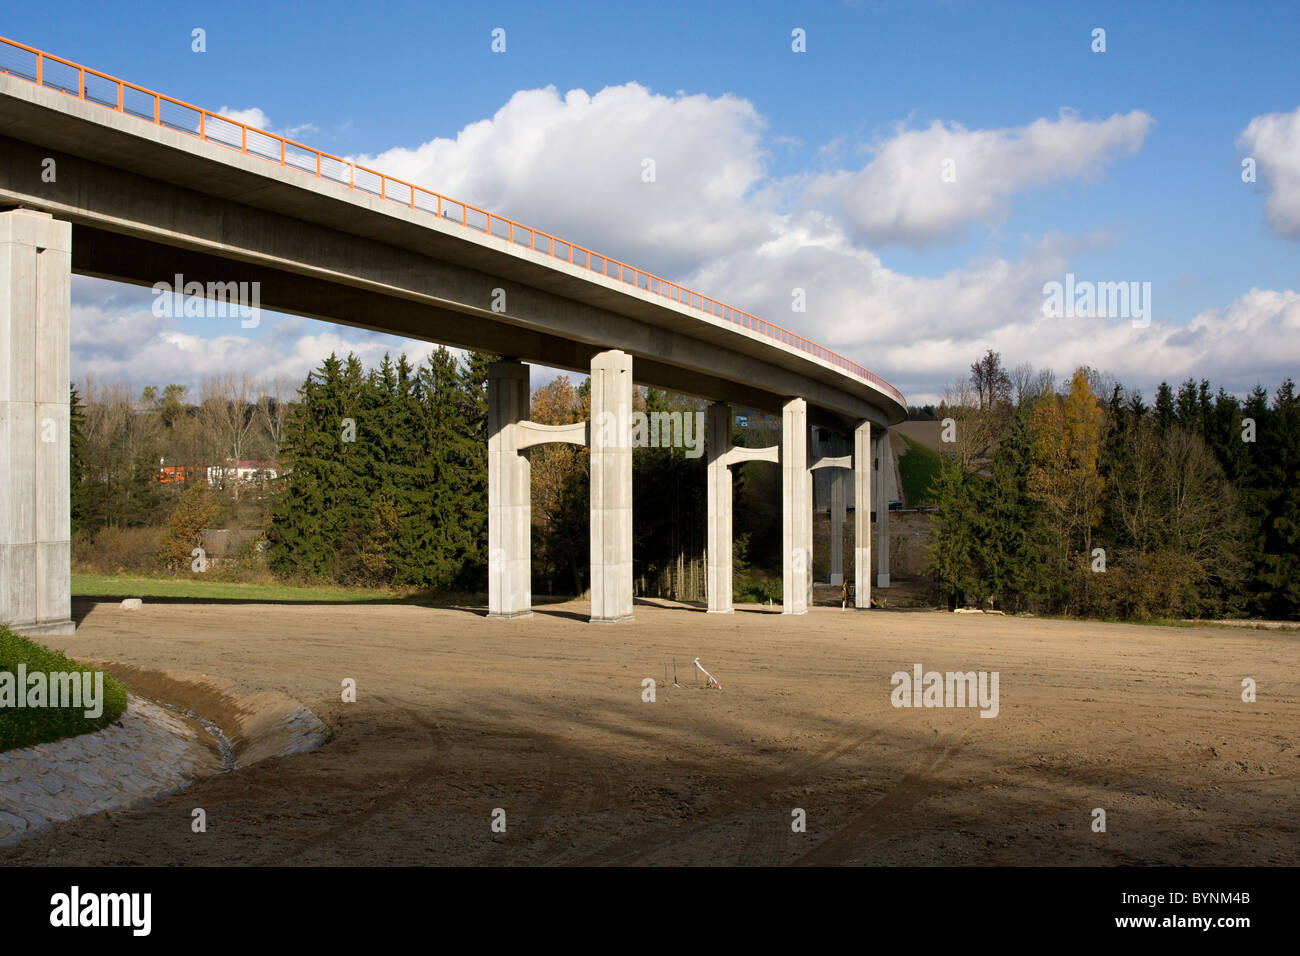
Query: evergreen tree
[[440, 534], [314, 504], [1185, 405], [1165, 413], [78, 492], [1014, 549], [956, 542], [472, 416], [1280, 570]]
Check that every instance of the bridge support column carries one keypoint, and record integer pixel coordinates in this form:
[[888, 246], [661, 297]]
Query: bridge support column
[[885, 458], [796, 509], [717, 446], [35, 519], [838, 513], [509, 502], [862, 515], [611, 487]]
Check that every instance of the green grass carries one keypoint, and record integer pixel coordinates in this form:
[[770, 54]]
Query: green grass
[[25, 726], [198, 588], [919, 466]]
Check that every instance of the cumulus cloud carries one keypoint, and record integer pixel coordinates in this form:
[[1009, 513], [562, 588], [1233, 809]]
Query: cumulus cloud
[[117, 338], [577, 165], [921, 332], [1254, 340], [923, 185], [1273, 140]]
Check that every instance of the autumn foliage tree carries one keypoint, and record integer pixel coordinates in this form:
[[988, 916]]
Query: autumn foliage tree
[[1065, 478], [191, 517]]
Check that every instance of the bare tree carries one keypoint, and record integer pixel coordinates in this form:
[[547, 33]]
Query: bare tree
[[273, 411], [968, 426], [990, 381], [1022, 383], [228, 421]]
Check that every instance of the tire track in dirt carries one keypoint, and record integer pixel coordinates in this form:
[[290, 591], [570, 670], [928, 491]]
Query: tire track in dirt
[[907, 793], [762, 845], [423, 774], [567, 790], [738, 797]]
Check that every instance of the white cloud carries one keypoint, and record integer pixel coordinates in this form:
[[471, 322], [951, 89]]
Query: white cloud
[[1253, 340], [902, 195], [253, 116], [920, 333], [574, 165], [117, 338], [1274, 141]]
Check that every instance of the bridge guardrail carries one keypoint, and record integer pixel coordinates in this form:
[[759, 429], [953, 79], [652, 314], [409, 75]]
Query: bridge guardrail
[[56, 73]]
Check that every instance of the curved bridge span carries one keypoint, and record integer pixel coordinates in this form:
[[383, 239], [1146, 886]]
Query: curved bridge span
[[147, 188]]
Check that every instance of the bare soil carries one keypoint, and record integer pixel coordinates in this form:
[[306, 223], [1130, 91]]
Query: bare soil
[[458, 715]]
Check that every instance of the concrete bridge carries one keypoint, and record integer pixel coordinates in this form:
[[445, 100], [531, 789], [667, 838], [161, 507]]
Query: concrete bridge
[[101, 177]]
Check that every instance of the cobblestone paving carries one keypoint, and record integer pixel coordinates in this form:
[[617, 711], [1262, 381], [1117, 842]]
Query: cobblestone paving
[[148, 752]]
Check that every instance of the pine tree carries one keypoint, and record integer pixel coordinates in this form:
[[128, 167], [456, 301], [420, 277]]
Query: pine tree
[[79, 503], [472, 414], [954, 547], [1016, 552], [1280, 569], [1165, 413], [313, 503], [1185, 404], [441, 534]]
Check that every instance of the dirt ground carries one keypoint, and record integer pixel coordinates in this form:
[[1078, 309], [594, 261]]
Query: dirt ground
[[458, 715]]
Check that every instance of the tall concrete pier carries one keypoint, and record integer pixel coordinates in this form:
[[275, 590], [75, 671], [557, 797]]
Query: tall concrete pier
[[35, 530]]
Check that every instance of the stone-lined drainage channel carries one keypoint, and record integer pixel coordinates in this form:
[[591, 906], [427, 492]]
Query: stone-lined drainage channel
[[224, 746]]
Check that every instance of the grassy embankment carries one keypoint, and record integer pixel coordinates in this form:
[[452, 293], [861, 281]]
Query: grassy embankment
[[38, 721]]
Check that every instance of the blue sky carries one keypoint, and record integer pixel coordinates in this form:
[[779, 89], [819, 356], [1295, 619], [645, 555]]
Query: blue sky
[[779, 169]]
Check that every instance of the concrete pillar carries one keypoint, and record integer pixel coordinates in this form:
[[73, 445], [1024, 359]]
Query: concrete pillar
[[808, 535], [717, 446], [509, 500], [838, 513], [35, 519], [611, 487], [885, 458], [796, 508], [862, 515]]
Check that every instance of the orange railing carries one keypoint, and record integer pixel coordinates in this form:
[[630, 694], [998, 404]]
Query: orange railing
[[56, 73]]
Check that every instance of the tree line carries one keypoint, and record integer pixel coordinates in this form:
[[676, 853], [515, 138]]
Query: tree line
[[381, 479], [1081, 499], [1087, 500]]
